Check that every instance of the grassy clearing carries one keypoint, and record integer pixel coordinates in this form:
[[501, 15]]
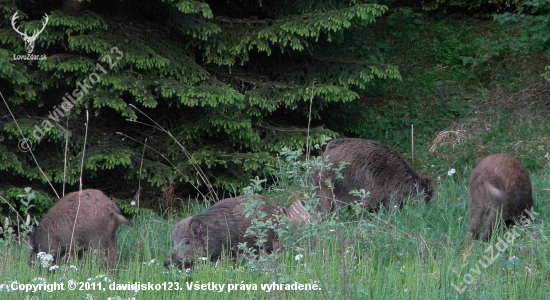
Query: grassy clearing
[[502, 124], [416, 253]]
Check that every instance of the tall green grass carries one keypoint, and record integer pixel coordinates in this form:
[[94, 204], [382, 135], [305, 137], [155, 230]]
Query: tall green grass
[[418, 252]]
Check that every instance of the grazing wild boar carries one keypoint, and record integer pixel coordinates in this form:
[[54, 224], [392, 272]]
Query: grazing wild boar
[[220, 228], [372, 166], [295, 212], [96, 225], [500, 185]]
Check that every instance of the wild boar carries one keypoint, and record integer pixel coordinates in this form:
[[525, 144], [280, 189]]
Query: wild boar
[[499, 186], [295, 212], [94, 227], [221, 227], [371, 166]]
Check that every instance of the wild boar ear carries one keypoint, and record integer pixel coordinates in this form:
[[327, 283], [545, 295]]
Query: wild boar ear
[[196, 226], [33, 230]]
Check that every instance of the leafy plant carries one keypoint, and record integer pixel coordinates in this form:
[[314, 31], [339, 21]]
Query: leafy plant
[[22, 223]]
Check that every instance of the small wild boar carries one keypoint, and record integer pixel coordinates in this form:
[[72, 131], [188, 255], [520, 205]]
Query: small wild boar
[[500, 185], [295, 212], [372, 166], [221, 227], [96, 225]]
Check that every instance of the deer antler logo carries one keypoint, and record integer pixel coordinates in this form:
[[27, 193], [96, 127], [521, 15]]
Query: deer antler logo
[[29, 40]]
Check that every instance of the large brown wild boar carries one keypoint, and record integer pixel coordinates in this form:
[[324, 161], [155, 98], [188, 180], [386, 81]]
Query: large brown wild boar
[[221, 227], [372, 166], [96, 225], [500, 185]]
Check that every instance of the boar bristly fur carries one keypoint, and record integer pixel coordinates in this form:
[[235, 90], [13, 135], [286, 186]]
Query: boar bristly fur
[[371, 166], [499, 186], [220, 228], [95, 227]]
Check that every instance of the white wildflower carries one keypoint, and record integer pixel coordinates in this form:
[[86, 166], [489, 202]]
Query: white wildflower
[[39, 280], [53, 268], [45, 259]]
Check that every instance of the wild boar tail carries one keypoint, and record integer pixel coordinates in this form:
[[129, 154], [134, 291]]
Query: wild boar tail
[[499, 195], [115, 212], [120, 219]]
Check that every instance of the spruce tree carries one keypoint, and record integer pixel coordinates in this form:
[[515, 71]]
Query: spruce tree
[[232, 81]]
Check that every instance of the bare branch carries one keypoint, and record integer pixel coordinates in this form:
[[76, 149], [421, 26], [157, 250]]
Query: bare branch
[[242, 21]]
